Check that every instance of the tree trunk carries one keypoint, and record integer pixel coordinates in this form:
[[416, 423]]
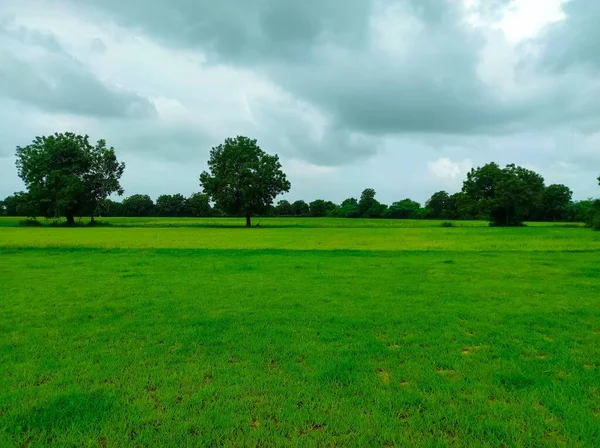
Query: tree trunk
[[92, 220], [70, 220], [248, 220]]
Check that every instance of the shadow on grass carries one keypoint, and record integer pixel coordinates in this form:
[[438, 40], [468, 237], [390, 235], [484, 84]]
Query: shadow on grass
[[70, 411]]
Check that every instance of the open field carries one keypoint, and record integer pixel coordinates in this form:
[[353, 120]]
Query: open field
[[303, 332]]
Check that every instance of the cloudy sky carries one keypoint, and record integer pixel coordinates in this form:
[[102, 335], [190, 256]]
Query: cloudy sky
[[403, 96]]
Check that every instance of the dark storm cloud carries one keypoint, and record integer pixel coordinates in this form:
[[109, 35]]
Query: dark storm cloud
[[243, 31], [35, 70], [334, 57], [374, 89], [575, 41]]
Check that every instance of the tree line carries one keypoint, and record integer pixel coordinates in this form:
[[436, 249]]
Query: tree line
[[66, 176]]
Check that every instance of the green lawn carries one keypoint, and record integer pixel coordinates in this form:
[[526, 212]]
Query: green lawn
[[300, 333]]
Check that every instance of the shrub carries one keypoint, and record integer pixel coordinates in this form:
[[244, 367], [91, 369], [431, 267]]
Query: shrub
[[448, 224]]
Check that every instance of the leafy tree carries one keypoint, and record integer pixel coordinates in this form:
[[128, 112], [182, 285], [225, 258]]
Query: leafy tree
[[454, 209], [138, 205], [555, 202], [518, 195], [171, 205], [464, 207], [507, 196], [198, 205], [595, 221], [103, 178], [320, 208], [108, 207], [300, 208], [20, 204], [284, 208], [480, 190], [440, 205], [270, 210], [348, 209], [66, 176], [11, 203], [368, 206], [242, 178], [405, 209], [580, 211]]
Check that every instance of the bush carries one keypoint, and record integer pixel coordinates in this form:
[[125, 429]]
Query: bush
[[447, 224]]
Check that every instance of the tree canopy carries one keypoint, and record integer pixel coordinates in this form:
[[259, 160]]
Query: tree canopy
[[171, 205], [507, 195], [138, 205], [198, 205], [242, 178], [300, 208], [284, 208], [67, 176], [555, 202], [405, 209], [368, 206], [320, 208]]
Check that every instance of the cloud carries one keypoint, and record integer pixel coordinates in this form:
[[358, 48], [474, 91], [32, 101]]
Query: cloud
[[573, 43], [444, 168], [376, 67], [35, 70], [397, 95]]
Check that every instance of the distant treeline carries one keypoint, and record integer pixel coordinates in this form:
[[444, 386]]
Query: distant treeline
[[68, 176], [555, 205]]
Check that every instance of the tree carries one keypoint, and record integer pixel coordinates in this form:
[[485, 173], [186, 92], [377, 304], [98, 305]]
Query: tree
[[555, 202], [66, 176], [284, 208], [171, 205], [20, 204], [454, 207], [348, 209], [242, 178], [300, 208], [198, 205], [103, 178], [440, 205], [138, 205], [506, 195], [368, 206], [405, 209], [595, 221], [108, 207], [320, 208], [518, 194], [480, 190], [11, 203]]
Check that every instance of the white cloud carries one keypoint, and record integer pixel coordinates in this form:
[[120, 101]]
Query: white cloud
[[446, 169], [524, 19]]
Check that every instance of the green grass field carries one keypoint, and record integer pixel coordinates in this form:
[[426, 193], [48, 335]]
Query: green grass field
[[302, 332]]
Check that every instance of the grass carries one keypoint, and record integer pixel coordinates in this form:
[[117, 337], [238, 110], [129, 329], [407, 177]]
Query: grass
[[299, 336]]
